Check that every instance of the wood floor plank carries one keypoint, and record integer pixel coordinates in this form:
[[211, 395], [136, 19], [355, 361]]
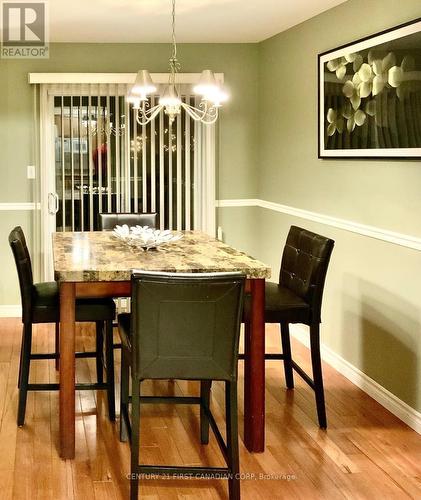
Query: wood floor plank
[[6, 483], [365, 453], [62, 477], [104, 491], [42, 462], [8, 428]]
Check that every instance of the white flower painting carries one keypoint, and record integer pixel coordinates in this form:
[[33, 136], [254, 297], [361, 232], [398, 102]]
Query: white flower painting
[[370, 99]]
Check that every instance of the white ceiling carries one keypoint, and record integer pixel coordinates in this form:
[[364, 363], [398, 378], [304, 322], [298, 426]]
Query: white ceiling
[[197, 20]]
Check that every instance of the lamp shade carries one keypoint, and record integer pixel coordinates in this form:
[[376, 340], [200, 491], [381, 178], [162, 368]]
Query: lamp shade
[[143, 84], [217, 97], [207, 84], [170, 97]]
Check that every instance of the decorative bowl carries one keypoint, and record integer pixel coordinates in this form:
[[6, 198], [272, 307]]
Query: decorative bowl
[[145, 237]]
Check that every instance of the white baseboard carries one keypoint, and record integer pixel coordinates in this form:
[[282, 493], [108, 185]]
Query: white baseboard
[[12, 311], [384, 397]]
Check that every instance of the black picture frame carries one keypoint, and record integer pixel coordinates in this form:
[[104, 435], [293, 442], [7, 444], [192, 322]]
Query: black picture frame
[[378, 114]]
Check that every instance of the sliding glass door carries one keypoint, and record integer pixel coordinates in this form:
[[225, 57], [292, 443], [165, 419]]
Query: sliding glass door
[[97, 158]]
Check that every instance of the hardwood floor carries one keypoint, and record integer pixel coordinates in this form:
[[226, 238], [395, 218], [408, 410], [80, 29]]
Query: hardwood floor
[[366, 453]]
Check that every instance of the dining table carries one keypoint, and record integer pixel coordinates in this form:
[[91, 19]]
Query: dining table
[[98, 264]]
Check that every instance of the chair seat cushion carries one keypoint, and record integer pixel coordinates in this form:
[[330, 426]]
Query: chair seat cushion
[[281, 304], [46, 306], [124, 330]]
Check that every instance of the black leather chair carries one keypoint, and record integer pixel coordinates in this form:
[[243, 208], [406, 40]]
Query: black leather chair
[[297, 298], [183, 326], [109, 221], [40, 304]]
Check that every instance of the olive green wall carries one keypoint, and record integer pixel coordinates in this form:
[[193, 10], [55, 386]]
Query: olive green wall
[[268, 150], [237, 127], [372, 310]]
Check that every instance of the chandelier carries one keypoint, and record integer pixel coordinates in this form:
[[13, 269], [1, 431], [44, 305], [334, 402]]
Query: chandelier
[[91, 126], [212, 95]]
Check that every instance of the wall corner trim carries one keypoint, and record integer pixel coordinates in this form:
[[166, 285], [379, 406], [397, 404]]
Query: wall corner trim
[[384, 397], [404, 240]]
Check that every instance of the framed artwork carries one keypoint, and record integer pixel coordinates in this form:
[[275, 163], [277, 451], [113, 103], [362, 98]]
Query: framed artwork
[[370, 96]]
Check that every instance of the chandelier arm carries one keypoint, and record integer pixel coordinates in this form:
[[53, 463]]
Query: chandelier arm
[[213, 119], [195, 113], [152, 111], [209, 111], [199, 115], [143, 117]]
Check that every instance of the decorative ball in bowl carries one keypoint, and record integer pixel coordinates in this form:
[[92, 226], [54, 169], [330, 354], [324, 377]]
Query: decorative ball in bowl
[[145, 237]]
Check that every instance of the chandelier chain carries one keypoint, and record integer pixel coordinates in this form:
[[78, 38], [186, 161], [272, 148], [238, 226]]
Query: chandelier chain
[[174, 64]]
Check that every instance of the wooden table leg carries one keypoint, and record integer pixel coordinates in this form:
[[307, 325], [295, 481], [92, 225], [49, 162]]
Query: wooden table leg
[[254, 370], [67, 370]]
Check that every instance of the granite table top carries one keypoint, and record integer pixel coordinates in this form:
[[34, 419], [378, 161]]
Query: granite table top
[[101, 256]]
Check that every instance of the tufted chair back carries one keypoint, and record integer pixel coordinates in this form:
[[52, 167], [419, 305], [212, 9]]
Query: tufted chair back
[[110, 221], [20, 251], [304, 266]]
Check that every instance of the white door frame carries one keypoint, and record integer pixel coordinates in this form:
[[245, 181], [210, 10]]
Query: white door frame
[[47, 181], [50, 85]]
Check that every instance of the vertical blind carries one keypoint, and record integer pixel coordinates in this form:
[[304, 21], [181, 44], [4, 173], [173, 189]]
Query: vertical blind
[[106, 162]]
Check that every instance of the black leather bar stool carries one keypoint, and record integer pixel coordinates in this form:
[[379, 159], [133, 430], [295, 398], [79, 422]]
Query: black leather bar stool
[[297, 298], [183, 326], [110, 221], [40, 304]]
